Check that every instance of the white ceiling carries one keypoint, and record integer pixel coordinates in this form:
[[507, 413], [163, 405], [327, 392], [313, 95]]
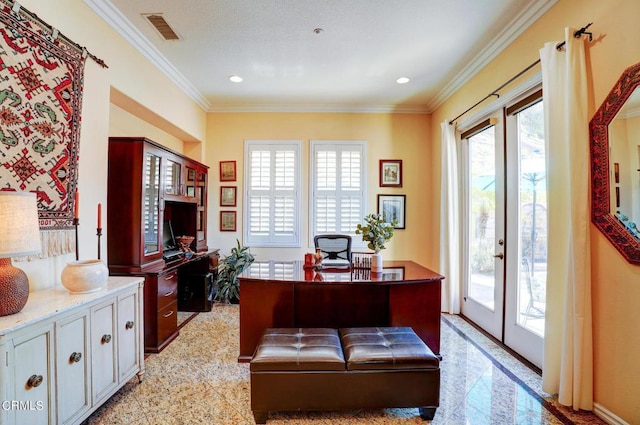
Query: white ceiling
[[351, 66]]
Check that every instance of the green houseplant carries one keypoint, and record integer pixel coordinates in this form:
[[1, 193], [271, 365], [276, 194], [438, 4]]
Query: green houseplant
[[376, 232], [230, 267]]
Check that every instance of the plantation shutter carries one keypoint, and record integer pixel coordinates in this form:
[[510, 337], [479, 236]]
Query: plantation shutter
[[272, 195], [338, 186]]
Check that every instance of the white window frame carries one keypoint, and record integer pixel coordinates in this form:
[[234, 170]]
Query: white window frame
[[339, 144], [272, 239]]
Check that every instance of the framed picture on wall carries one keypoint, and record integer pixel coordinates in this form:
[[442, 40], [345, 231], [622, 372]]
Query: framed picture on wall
[[228, 196], [393, 207], [390, 173], [227, 221], [227, 171]]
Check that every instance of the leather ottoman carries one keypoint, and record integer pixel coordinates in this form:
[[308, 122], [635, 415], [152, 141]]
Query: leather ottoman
[[354, 368]]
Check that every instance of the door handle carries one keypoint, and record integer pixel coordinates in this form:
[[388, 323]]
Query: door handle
[[500, 256]]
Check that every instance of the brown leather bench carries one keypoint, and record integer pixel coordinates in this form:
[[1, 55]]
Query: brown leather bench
[[351, 368]]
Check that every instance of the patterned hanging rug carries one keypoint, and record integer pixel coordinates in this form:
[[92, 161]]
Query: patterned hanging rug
[[41, 81]]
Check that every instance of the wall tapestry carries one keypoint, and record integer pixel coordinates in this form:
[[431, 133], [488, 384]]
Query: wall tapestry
[[41, 81]]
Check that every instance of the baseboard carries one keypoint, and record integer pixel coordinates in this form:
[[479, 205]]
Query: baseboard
[[607, 416]]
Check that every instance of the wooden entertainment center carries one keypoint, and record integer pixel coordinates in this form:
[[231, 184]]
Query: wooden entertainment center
[[148, 187]]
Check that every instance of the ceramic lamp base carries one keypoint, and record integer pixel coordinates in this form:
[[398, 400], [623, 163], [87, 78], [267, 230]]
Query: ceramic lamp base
[[14, 288]]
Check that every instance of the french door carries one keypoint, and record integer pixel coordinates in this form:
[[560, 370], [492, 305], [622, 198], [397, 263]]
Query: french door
[[506, 226]]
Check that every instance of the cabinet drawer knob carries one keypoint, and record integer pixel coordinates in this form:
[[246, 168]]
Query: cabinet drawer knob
[[129, 324], [168, 294], [34, 381], [167, 314], [106, 338], [169, 277], [75, 357]]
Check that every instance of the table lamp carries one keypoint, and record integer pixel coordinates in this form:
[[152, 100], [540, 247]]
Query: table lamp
[[19, 236]]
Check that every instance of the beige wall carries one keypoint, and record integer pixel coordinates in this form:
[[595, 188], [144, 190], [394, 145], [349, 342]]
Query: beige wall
[[389, 136], [616, 284]]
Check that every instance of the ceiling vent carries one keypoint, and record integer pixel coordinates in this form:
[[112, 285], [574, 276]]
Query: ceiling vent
[[162, 26]]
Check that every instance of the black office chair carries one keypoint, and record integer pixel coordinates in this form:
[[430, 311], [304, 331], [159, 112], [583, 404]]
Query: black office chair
[[334, 247]]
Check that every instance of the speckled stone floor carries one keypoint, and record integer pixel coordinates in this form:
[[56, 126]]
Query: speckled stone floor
[[197, 380]]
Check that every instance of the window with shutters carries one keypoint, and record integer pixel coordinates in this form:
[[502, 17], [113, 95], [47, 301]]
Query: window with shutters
[[272, 186], [338, 186]]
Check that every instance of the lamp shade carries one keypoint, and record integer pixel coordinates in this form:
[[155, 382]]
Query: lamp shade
[[19, 225]]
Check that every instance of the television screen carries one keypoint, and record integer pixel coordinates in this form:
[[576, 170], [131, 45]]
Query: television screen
[[168, 238]]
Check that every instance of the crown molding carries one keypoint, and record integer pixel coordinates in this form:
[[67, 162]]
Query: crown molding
[[112, 16], [320, 108], [512, 31]]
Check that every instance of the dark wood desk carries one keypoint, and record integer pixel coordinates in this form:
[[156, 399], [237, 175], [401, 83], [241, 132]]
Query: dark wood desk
[[276, 294]]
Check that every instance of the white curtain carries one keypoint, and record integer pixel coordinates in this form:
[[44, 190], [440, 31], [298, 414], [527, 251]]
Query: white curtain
[[449, 222], [568, 354]]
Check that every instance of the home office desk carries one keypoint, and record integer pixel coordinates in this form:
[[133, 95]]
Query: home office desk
[[278, 294]]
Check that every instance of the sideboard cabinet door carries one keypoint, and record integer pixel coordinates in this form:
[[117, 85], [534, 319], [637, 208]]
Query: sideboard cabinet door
[[128, 341], [103, 350], [72, 367], [33, 383]]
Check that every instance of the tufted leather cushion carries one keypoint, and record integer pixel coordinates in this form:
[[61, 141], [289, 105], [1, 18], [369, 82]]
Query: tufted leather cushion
[[296, 349], [386, 348]]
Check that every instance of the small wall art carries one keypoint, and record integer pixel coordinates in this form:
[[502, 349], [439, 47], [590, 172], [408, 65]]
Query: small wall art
[[390, 173], [228, 196], [227, 221], [227, 171], [393, 207]]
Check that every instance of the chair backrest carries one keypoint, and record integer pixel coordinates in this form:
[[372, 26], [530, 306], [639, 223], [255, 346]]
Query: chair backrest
[[334, 247]]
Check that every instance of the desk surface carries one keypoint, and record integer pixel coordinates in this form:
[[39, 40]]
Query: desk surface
[[293, 271]]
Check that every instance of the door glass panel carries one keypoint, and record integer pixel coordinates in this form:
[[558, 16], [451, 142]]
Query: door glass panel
[[481, 225], [533, 220], [172, 178], [151, 203]]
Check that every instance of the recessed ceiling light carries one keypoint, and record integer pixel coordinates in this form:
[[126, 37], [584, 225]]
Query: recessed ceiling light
[[403, 80], [235, 78], [318, 30]]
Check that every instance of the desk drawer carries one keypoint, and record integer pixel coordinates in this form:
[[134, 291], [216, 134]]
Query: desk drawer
[[167, 289], [167, 321]]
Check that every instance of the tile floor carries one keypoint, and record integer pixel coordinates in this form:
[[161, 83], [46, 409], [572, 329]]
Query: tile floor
[[197, 380]]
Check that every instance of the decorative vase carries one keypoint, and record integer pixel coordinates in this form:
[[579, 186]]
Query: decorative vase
[[376, 263], [84, 276]]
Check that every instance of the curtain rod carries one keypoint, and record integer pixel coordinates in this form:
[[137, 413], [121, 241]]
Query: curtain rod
[[17, 8], [559, 46]]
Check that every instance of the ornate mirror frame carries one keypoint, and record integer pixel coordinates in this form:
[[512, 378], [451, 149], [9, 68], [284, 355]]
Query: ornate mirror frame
[[607, 223]]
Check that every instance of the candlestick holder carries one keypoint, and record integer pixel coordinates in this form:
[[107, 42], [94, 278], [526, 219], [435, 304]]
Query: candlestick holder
[[76, 222], [99, 234]]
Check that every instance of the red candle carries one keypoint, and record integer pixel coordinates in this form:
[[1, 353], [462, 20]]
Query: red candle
[[99, 216], [76, 206]]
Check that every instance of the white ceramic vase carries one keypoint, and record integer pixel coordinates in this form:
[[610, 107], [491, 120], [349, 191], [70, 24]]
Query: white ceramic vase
[[81, 277], [376, 263]]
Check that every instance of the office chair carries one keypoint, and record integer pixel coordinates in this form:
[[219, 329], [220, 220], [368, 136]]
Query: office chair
[[334, 247]]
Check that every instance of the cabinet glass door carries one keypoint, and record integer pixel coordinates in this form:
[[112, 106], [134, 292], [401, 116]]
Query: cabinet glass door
[[190, 181], [172, 178], [201, 197], [151, 204]]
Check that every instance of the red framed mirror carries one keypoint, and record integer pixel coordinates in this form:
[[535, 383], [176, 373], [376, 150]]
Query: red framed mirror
[[612, 141]]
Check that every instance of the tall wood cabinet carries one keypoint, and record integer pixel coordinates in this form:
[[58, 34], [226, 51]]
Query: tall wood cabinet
[[150, 186]]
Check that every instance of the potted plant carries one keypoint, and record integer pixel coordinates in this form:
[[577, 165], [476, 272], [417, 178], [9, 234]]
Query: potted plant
[[376, 232], [229, 269]]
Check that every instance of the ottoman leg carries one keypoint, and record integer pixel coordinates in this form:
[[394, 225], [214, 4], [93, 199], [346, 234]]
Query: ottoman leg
[[260, 416], [427, 413]]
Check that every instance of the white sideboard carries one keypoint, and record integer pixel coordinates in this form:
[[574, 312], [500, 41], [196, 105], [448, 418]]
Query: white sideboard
[[65, 354]]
